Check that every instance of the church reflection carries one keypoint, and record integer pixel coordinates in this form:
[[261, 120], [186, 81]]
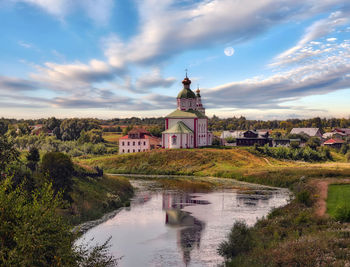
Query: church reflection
[[189, 228]]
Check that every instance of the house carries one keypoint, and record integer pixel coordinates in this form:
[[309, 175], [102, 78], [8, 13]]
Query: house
[[335, 143], [281, 142], [312, 132], [337, 133], [138, 140], [233, 134], [251, 138], [187, 126]]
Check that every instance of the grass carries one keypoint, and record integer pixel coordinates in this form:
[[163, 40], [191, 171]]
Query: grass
[[338, 196], [93, 197], [112, 137]]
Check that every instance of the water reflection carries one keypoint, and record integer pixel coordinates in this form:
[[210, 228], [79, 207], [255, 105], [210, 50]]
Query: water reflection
[[246, 200], [172, 228], [189, 228]]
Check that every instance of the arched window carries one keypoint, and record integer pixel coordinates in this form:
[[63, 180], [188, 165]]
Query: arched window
[[173, 140]]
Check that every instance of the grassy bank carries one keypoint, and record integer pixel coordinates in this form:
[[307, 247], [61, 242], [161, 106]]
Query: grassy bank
[[93, 197], [227, 163], [338, 201]]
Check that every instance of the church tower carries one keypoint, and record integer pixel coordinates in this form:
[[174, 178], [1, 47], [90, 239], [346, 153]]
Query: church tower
[[186, 99], [199, 105]]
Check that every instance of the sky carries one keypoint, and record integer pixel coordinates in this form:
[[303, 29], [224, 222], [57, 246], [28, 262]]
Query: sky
[[266, 59]]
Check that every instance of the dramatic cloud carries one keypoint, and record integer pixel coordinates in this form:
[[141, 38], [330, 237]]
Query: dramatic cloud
[[166, 29], [154, 80], [315, 78]]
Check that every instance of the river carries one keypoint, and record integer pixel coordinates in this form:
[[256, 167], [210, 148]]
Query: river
[[176, 228]]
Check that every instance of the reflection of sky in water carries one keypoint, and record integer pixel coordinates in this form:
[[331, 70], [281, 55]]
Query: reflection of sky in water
[[178, 229]]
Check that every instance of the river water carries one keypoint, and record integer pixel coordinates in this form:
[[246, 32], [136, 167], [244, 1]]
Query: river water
[[175, 228]]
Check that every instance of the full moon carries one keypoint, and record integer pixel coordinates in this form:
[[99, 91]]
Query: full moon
[[229, 51]]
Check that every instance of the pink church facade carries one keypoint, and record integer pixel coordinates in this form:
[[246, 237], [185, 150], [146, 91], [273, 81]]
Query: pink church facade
[[187, 126]]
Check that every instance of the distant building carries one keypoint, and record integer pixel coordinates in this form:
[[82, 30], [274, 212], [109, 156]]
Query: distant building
[[335, 143], [312, 132], [138, 140], [337, 133], [187, 126], [251, 138], [233, 134]]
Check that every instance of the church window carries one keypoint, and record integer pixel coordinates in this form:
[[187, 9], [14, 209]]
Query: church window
[[144, 143], [133, 143], [128, 143], [173, 140], [139, 143]]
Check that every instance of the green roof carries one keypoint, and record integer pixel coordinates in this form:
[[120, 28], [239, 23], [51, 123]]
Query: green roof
[[179, 127], [186, 114], [186, 93]]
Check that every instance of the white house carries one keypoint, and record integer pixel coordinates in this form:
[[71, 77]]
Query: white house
[[187, 126], [138, 140]]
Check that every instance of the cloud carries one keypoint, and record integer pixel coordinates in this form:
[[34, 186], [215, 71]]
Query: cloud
[[76, 76], [167, 29], [24, 44], [154, 80], [303, 49], [99, 11], [13, 84], [320, 76]]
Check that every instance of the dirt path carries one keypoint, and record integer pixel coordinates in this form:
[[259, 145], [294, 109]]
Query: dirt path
[[321, 186]]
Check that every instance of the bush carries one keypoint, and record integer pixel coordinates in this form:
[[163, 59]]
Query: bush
[[59, 168], [342, 213], [239, 241], [348, 156], [304, 197]]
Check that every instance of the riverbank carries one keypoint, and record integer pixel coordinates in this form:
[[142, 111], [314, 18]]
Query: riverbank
[[93, 197], [294, 235]]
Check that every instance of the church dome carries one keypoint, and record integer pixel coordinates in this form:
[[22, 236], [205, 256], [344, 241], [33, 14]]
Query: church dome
[[186, 93]]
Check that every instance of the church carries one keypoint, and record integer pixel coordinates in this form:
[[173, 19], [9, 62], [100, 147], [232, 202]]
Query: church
[[187, 126]]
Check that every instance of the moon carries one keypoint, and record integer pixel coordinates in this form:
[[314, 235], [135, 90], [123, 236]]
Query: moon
[[229, 51]]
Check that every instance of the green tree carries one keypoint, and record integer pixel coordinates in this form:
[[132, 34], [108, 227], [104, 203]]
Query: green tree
[[59, 168], [33, 158], [8, 154]]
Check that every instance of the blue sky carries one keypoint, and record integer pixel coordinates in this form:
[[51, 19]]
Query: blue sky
[[110, 58]]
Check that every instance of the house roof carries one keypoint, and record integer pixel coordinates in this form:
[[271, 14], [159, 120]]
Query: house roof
[[308, 131], [185, 114], [334, 141], [179, 127], [144, 136]]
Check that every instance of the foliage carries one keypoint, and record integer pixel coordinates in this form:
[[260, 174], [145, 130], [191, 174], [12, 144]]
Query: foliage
[[32, 234], [304, 197], [93, 136], [230, 140], [59, 168], [305, 154], [70, 129], [239, 241], [8, 154], [313, 142], [338, 202], [33, 158], [342, 213]]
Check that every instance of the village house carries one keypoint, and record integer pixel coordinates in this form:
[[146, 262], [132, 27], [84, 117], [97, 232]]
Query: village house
[[138, 140], [312, 132], [335, 143], [337, 133], [187, 126], [251, 138]]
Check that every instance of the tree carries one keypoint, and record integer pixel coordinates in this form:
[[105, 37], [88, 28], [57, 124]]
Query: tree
[[33, 234], [239, 241], [59, 168], [8, 154], [33, 158], [313, 142]]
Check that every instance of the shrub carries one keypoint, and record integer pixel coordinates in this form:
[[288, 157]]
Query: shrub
[[239, 241], [348, 156], [304, 197], [342, 213]]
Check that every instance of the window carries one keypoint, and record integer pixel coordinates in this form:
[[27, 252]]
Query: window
[[122, 143], [128, 143], [133, 150], [128, 150], [139, 143], [173, 140], [133, 143], [144, 143], [123, 150], [139, 150]]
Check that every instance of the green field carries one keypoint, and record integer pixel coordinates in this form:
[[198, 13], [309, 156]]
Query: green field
[[338, 195]]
